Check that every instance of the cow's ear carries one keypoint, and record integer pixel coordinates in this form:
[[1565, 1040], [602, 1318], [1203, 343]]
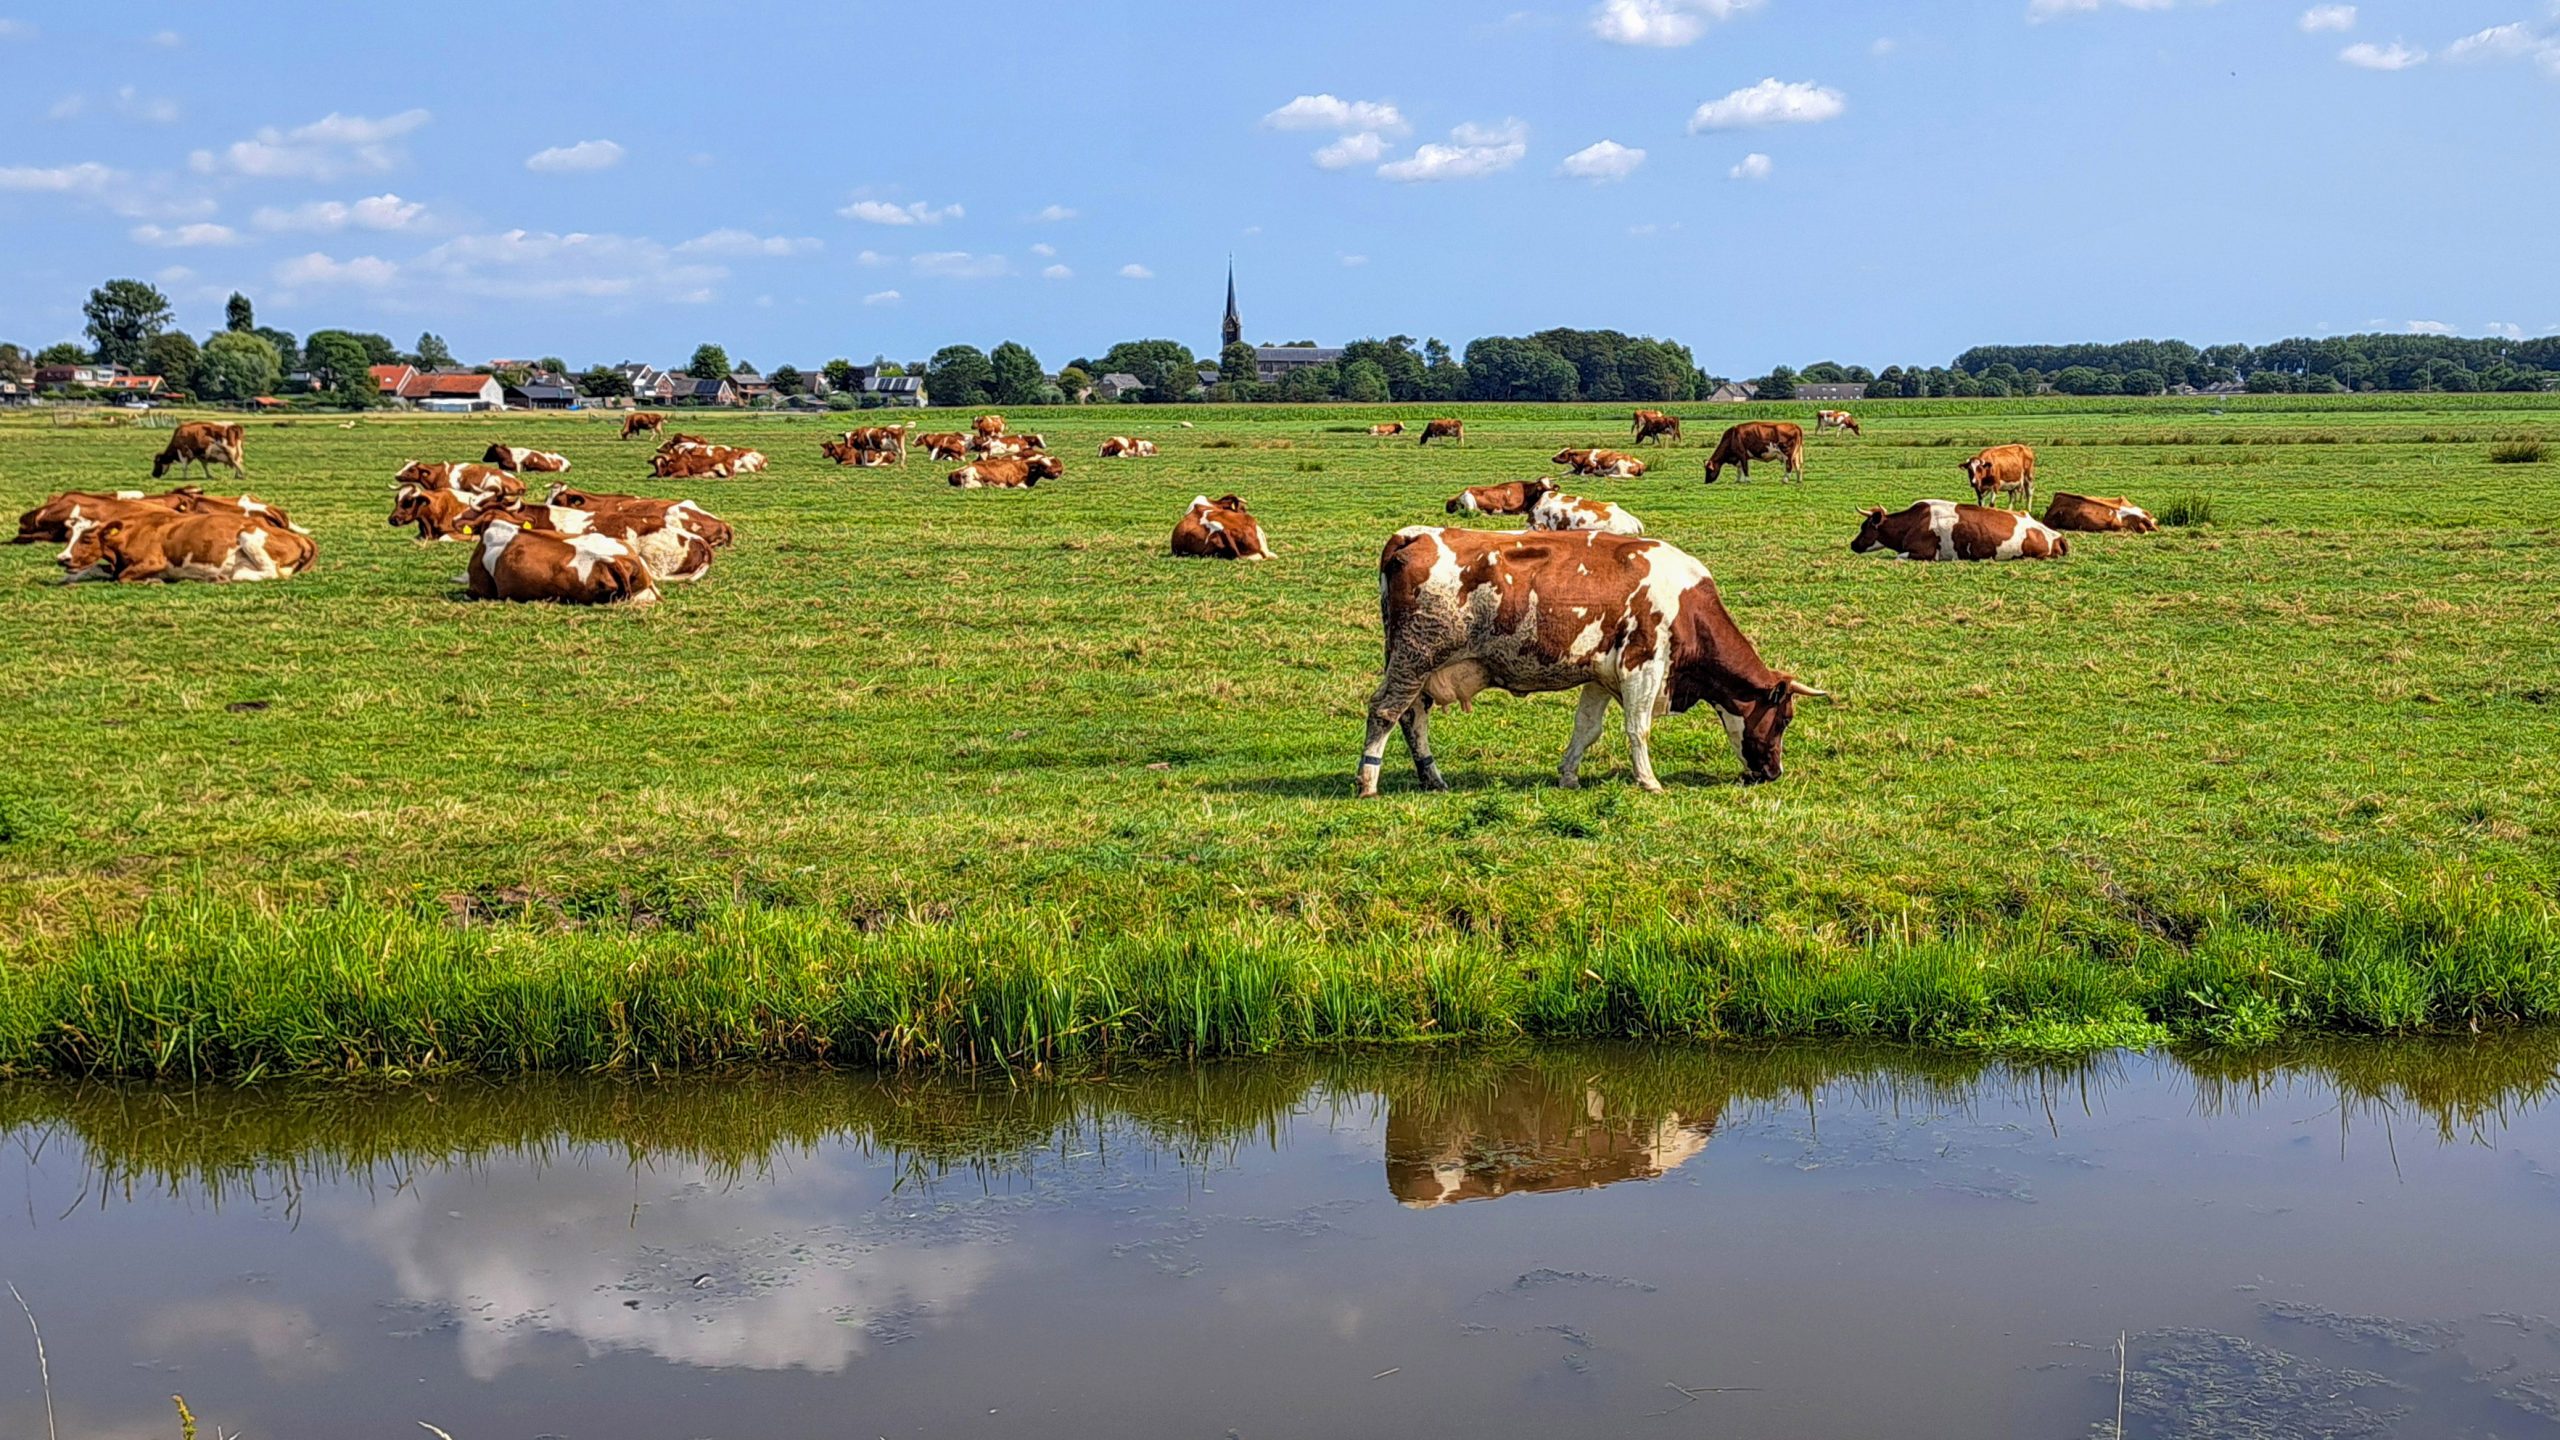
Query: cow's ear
[[1873, 512]]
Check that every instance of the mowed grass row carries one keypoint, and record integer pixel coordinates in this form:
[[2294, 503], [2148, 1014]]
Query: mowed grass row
[[1005, 736]]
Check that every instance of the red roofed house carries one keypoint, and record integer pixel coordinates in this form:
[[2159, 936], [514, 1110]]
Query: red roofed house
[[442, 390], [396, 382]]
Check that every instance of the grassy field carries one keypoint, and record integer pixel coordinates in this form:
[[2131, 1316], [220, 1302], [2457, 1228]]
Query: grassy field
[[924, 774]]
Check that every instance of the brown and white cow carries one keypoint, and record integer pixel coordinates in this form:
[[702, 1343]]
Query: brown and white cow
[[526, 462], [1659, 425], [1443, 430], [1763, 440], [696, 461], [1011, 472], [2098, 514], [1836, 420], [216, 546], [1512, 499], [1631, 620], [1947, 530], [987, 425], [1120, 446], [1391, 427], [205, 444], [1607, 464], [944, 445], [438, 513], [681, 441], [847, 452], [889, 441], [1219, 529], [674, 538], [517, 562], [639, 420], [2001, 470], [472, 481], [54, 521], [1552, 509]]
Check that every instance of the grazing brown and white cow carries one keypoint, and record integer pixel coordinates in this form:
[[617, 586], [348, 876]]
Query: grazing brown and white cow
[[639, 420], [1659, 425], [1011, 472], [1836, 420], [1759, 440], [471, 481], [1635, 621], [1552, 509], [1443, 430], [1946, 530], [1512, 499], [987, 425], [2098, 514], [944, 445], [204, 444], [2001, 470], [172, 545], [1607, 464], [526, 462], [1219, 529], [889, 441], [1392, 427], [1123, 446], [518, 562]]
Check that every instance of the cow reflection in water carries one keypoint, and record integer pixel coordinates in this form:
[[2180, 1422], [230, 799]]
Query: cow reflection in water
[[1530, 1132]]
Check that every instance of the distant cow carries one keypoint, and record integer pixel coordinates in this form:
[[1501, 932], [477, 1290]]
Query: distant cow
[[1946, 530], [1759, 440], [681, 441], [948, 445], [204, 444], [174, 545], [674, 538], [2001, 470], [1635, 621], [639, 420], [1443, 430], [1512, 499], [696, 461], [2098, 514], [516, 562], [469, 480], [846, 452], [1123, 446], [987, 425], [1013, 472], [1657, 425], [885, 440], [1607, 464], [1219, 529], [1836, 420], [1552, 509], [527, 462], [1392, 427]]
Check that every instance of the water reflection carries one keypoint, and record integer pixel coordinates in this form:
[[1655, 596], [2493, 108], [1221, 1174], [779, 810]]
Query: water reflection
[[1528, 1128]]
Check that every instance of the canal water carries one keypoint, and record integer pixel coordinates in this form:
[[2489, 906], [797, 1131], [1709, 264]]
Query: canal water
[[1728, 1242]]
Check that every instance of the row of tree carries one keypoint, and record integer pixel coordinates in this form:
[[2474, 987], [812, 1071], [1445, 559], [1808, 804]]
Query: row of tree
[[2333, 365]]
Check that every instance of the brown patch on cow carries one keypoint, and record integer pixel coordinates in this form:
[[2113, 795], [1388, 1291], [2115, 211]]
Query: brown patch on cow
[[1220, 529], [2098, 514], [1443, 430]]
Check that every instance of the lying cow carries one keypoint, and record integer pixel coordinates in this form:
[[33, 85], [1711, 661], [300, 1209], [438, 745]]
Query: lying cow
[[1512, 499], [1123, 446], [438, 513], [1443, 430], [1946, 530], [1552, 509], [987, 425], [1013, 472], [1635, 621], [681, 441], [640, 420], [1836, 420], [2097, 514], [522, 461], [1392, 427], [2002, 470], [950, 445], [674, 538], [1219, 529], [61, 516], [471, 481], [1607, 464], [696, 461], [846, 452], [174, 545], [1759, 440], [204, 444], [1657, 425], [517, 562]]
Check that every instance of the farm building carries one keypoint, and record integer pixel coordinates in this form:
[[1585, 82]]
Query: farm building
[[1831, 392], [1116, 384], [396, 382], [445, 390], [1735, 392], [542, 395], [1275, 363], [895, 389]]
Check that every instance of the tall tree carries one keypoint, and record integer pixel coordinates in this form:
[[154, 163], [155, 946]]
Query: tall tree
[[16, 364], [237, 314], [840, 374], [1074, 384], [173, 358], [1237, 366], [123, 316], [786, 380], [288, 354], [237, 365], [958, 376], [62, 352], [1015, 375], [432, 354], [710, 362], [338, 364], [1364, 381], [1164, 367], [604, 383]]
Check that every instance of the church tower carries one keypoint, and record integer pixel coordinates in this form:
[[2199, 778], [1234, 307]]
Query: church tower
[[1233, 329]]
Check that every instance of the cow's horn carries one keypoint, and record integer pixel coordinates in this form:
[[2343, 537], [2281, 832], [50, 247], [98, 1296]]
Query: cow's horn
[[1802, 690]]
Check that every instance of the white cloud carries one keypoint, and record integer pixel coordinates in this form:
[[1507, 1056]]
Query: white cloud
[[960, 265], [1325, 112], [1365, 147], [541, 265], [1603, 160], [881, 212], [86, 178], [1661, 22], [1771, 102], [1653, 227], [2039, 11], [374, 212], [1057, 272], [1882, 46], [67, 108], [1054, 213], [1354, 262], [167, 39], [747, 243], [1044, 250], [1754, 166], [173, 275], [328, 147], [2517, 41], [93, 183], [1480, 150], [873, 257], [365, 271], [16, 30], [2504, 330], [572, 159], [2327, 17], [881, 297], [2429, 327], [1134, 271], [2365, 55], [134, 105], [185, 236]]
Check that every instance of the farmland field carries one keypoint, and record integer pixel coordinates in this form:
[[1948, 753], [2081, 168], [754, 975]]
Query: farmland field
[[2289, 766]]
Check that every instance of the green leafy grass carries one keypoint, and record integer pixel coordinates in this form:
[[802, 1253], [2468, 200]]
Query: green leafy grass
[[1003, 739]]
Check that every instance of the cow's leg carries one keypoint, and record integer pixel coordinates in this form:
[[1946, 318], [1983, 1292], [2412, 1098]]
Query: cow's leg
[[1396, 695], [1588, 717], [1638, 698], [1417, 739]]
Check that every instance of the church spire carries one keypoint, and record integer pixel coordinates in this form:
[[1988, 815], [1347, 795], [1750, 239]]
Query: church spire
[[1233, 329]]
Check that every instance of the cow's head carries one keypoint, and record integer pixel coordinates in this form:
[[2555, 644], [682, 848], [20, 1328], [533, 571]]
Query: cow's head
[[94, 547], [418, 472], [709, 528], [1715, 465], [1564, 457], [1759, 726], [1870, 534], [1046, 467], [1977, 473]]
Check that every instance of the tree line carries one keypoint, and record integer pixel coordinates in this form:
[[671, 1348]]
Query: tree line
[[2334, 365]]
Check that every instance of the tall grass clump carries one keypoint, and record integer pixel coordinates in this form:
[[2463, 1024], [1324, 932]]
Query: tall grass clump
[[2191, 508], [2516, 452]]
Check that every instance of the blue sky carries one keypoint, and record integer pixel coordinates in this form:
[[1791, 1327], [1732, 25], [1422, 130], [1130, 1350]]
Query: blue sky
[[858, 179]]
